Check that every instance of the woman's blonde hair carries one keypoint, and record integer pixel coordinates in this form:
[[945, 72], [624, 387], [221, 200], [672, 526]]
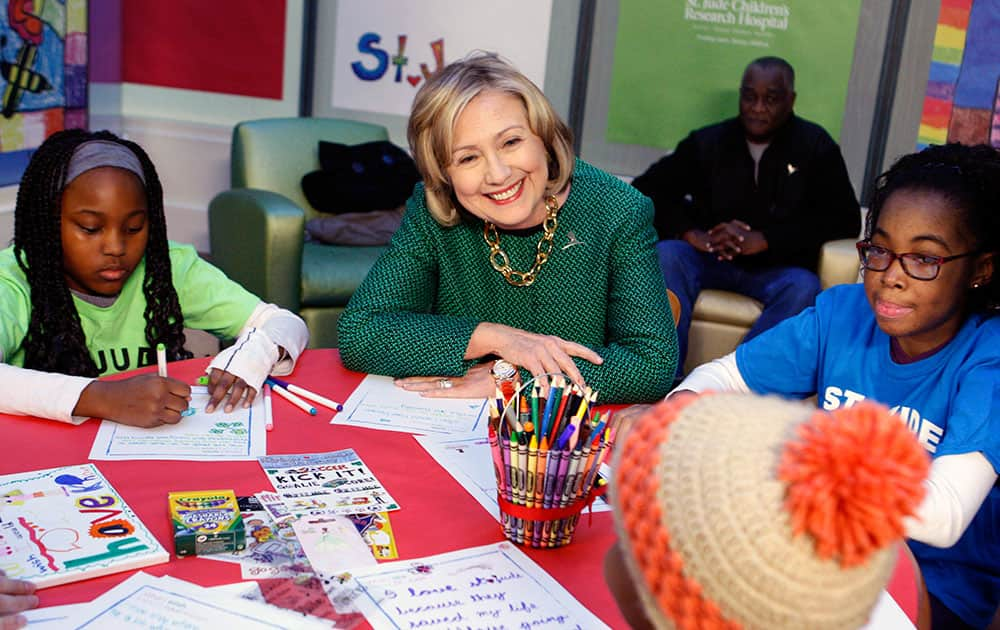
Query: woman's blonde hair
[[444, 97]]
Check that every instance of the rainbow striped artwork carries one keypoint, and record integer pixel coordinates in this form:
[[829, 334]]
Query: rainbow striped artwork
[[43, 76], [995, 126], [962, 103]]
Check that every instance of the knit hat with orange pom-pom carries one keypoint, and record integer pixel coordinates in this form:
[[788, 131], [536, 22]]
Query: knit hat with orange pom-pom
[[735, 510]]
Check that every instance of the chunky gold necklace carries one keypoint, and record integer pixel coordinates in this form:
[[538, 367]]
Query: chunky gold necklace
[[500, 260]]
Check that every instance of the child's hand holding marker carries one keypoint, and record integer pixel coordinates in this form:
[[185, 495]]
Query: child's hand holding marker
[[147, 400]]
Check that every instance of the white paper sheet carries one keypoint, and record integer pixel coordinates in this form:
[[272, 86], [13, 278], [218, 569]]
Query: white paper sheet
[[52, 616], [887, 615], [467, 458], [378, 404], [490, 586], [144, 601], [244, 590], [200, 436]]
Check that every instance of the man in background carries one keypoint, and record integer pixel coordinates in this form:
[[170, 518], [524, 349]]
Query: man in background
[[745, 205]]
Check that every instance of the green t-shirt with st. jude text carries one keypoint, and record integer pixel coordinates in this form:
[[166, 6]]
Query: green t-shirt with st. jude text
[[116, 334]]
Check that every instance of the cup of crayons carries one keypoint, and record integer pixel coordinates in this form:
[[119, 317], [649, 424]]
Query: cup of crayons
[[547, 445]]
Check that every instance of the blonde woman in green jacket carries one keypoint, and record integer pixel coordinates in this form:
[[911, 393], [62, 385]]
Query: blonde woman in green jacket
[[512, 249]]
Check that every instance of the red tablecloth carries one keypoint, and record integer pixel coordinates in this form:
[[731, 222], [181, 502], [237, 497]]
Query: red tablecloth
[[437, 514]]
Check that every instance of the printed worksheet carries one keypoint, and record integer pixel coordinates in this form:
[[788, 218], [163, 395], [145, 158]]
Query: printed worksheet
[[52, 616], [467, 458], [337, 482], [490, 586], [218, 436], [378, 404], [144, 601]]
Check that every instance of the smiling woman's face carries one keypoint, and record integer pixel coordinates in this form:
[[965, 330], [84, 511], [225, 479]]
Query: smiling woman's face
[[499, 167], [104, 228]]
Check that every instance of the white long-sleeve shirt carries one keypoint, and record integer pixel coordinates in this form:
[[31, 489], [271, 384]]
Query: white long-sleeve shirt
[[956, 485], [253, 356]]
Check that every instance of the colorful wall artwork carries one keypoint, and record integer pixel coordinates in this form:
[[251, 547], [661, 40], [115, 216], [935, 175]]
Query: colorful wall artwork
[[962, 101], [385, 50], [43, 76]]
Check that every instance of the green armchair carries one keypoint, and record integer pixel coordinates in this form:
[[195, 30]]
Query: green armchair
[[257, 229]]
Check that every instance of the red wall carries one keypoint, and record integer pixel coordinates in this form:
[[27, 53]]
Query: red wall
[[227, 46]]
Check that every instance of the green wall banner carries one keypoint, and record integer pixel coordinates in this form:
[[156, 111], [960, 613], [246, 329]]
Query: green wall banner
[[678, 63]]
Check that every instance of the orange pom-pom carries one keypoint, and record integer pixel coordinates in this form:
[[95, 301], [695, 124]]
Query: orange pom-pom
[[852, 476]]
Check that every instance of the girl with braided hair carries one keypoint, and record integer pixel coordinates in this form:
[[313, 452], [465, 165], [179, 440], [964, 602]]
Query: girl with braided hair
[[91, 286], [921, 335]]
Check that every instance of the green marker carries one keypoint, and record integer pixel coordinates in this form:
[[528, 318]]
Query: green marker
[[161, 360]]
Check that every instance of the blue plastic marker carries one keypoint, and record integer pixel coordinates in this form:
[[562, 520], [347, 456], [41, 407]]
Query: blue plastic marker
[[567, 432], [305, 393], [292, 398]]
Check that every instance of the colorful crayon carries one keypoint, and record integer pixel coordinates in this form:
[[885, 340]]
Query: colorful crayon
[[546, 455], [505, 451], [529, 487], [498, 466], [551, 474], [522, 467]]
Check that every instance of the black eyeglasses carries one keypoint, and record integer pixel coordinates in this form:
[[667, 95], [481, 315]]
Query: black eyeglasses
[[917, 266]]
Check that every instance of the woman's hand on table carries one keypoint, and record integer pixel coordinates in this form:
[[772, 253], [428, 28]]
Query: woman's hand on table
[[477, 383], [15, 596], [146, 400], [538, 354], [226, 386]]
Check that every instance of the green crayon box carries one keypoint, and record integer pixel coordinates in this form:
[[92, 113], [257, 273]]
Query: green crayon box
[[206, 521]]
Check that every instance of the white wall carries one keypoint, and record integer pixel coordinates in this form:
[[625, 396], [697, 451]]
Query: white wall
[[191, 158]]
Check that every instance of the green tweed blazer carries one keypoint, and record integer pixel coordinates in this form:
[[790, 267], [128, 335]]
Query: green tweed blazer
[[415, 312]]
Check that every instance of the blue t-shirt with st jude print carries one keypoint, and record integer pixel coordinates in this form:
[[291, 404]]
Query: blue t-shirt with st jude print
[[950, 400]]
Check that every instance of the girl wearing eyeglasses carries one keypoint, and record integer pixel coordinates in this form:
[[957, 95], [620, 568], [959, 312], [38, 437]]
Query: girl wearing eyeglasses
[[919, 335]]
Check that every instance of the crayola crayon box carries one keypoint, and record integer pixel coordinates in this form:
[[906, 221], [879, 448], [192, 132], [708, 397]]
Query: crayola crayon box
[[206, 521]]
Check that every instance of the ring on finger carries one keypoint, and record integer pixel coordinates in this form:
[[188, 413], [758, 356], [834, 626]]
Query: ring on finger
[[445, 383]]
